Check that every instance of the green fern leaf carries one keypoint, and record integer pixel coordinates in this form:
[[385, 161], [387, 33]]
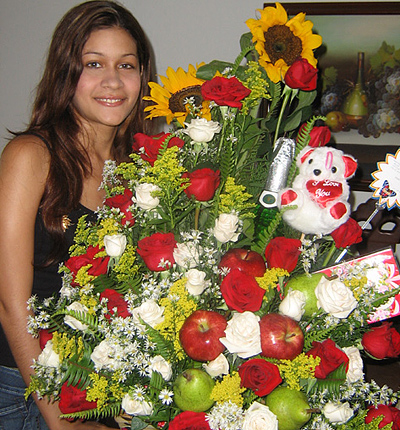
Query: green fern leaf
[[316, 336], [78, 371], [332, 382], [110, 410], [164, 347]]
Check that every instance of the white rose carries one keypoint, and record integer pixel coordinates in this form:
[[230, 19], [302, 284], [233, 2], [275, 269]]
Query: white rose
[[196, 282], [186, 254], [355, 372], [102, 355], [48, 357], [243, 335], [136, 407], [218, 366], [201, 130], [144, 197], [73, 322], [338, 413], [150, 312], [160, 365], [115, 244], [335, 298], [259, 417], [225, 228], [66, 291], [293, 304]]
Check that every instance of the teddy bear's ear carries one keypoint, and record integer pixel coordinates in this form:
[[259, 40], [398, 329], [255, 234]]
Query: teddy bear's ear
[[350, 165], [303, 155]]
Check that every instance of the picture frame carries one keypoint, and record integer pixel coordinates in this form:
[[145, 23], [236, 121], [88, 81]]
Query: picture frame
[[335, 21]]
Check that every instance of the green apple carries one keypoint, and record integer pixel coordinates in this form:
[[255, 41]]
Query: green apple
[[290, 406], [306, 284], [192, 390]]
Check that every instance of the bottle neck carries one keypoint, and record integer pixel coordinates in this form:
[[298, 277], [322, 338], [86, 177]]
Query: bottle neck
[[360, 70]]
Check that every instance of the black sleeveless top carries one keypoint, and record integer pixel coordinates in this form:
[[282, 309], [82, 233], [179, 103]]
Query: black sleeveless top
[[46, 279]]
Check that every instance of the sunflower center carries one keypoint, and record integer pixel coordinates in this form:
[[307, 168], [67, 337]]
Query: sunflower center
[[177, 101], [280, 42]]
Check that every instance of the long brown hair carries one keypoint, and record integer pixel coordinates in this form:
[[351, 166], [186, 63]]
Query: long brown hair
[[53, 115]]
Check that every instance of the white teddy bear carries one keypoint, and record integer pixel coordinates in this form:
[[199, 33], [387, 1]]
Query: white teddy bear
[[320, 191]]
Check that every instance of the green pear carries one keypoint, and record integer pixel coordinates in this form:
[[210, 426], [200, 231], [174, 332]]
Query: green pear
[[290, 407], [192, 390], [306, 284]]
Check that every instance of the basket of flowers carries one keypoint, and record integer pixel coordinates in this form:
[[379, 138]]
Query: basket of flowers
[[190, 303]]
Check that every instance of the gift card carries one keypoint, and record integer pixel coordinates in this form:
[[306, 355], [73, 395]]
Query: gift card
[[381, 272]]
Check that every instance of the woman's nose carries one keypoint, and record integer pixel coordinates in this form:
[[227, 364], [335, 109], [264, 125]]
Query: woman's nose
[[111, 79]]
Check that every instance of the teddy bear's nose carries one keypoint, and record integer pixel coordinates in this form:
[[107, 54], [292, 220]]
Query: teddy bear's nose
[[317, 172]]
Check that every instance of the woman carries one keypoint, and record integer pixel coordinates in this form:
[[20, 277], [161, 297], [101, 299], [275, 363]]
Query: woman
[[88, 106]]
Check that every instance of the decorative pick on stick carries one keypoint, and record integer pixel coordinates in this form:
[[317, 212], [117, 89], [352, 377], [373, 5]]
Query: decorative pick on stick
[[386, 186]]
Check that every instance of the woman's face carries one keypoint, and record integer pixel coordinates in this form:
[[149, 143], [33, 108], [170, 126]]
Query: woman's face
[[109, 85]]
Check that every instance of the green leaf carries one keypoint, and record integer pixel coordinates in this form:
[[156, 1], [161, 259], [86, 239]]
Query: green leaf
[[137, 424], [209, 70], [110, 410], [78, 370]]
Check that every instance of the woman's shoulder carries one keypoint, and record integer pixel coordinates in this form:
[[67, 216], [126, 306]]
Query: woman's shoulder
[[26, 154]]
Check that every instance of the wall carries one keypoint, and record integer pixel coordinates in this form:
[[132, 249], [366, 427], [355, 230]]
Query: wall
[[181, 32]]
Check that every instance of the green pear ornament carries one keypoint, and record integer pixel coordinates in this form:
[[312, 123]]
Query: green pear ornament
[[290, 407]]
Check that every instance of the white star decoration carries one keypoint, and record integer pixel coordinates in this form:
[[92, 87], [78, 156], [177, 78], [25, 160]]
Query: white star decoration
[[386, 182]]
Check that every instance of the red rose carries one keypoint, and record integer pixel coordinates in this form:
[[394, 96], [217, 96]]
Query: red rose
[[156, 249], [301, 75], [241, 291], [347, 234], [331, 357], [115, 300], [225, 91], [203, 184], [189, 420], [319, 136], [260, 376], [283, 253], [382, 341], [44, 336], [99, 264], [390, 415], [123, 203], [149, 146], [72, 399]]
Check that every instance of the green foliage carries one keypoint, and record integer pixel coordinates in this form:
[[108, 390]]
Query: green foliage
[[109, 410], [78, 370], [387, 56], [317, 335], [266, 235], [331, 383], [164, 347]]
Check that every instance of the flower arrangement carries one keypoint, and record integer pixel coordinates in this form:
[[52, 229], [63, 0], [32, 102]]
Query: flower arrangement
[[175, 312]]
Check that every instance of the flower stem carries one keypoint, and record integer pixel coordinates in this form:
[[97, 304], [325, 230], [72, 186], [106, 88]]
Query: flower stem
[[196, 217], [329, 255], [286, 92]]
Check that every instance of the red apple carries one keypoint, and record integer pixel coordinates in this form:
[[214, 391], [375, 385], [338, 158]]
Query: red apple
[[281, 337], [200, 333], [250, 262]]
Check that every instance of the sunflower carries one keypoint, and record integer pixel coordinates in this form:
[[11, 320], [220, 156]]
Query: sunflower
[[171, 98], [280, 42]]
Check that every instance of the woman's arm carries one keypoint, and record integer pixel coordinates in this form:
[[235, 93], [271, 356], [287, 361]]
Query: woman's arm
[[24, 166]]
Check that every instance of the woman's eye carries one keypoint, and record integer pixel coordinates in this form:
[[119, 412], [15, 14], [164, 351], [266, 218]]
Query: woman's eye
[[127, 66], [93, 64]]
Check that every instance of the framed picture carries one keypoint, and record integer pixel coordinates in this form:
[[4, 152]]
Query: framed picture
[[359, 38]]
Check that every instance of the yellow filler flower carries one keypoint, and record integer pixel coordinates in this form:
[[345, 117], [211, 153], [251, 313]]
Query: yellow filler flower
[[280, 42], [171, 99]]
